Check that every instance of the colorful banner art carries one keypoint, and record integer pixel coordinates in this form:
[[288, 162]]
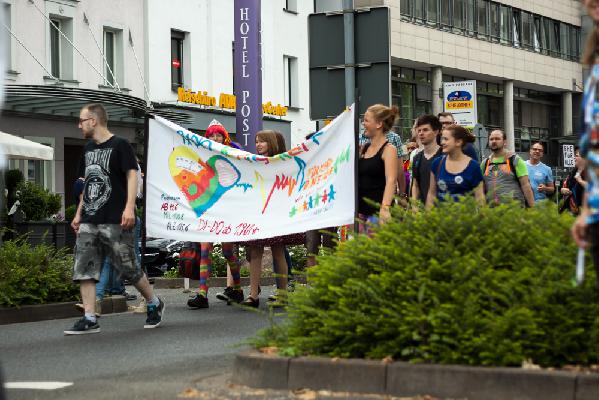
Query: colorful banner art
[[201, 191]]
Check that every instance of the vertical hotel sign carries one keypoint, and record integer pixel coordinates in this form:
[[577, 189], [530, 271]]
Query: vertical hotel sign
[[459, 99], [248, 72]]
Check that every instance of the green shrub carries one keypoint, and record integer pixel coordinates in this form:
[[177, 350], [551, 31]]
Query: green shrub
[[457, 284], [36, 202], [219, 262], [298, 257], [35, 274]]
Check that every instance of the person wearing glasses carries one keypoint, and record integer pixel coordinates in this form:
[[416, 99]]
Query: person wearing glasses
[[446, 119], [105, 219], [539, 174]]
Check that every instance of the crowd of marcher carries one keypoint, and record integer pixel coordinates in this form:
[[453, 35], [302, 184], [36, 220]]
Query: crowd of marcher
[[438, 164]]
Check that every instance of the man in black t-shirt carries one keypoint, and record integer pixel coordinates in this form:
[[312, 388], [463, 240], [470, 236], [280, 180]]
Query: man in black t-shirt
[[105, 218], [428, 128]]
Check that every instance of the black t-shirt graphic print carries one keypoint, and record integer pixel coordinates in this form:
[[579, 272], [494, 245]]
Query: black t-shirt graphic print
[[105, 167]]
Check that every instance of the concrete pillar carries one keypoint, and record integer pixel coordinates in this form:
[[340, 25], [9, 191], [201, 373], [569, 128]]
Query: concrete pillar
[[437, 84], [566, 114], [508, 113]]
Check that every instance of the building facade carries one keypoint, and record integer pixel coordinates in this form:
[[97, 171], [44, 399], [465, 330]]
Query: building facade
[[62, 54], [523, 54], [190, 45]]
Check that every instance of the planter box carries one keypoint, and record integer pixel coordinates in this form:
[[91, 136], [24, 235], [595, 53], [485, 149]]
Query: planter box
[[38, 232], [407, 380], [43, 312]]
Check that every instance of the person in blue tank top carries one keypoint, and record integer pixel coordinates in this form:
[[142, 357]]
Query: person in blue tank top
[[455, 174]]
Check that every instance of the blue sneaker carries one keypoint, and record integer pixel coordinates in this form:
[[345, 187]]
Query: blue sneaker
[[155, 314]]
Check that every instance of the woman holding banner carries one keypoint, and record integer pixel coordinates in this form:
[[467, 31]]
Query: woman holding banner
[[270, 143], [377, 167], [232, 293]]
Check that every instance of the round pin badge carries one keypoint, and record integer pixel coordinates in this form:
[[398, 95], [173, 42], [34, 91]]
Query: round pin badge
[[459, 180]]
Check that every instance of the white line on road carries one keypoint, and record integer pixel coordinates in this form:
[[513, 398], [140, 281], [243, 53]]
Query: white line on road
[[37, 385]]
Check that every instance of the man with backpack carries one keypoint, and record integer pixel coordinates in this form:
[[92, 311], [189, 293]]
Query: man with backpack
[[505, 175]]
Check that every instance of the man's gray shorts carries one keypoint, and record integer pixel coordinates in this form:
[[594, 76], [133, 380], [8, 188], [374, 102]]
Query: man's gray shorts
[[96, 242]]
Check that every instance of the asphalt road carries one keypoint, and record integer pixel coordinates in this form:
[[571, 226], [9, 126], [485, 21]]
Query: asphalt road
[[125, 361]]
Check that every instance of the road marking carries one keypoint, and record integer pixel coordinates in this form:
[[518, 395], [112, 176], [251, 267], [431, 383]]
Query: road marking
[[37, 385]]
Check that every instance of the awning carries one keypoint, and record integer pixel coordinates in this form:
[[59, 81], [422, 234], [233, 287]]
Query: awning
[[17, 148]]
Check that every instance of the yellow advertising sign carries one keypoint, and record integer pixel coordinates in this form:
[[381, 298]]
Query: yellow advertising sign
[[226, 101], [458, 105]]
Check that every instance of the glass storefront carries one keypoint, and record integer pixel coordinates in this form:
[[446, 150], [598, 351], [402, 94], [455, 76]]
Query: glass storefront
[[537, 115]]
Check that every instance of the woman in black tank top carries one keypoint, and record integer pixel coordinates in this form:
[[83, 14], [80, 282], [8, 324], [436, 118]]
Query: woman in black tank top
[[378, 165]]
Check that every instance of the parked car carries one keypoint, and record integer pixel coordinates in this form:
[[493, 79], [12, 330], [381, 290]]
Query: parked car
[[161, 255]]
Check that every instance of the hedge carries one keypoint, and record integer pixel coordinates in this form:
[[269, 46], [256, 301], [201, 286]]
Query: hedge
[[458, 284]]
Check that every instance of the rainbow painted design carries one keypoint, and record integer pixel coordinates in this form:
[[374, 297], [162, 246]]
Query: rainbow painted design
[[202, 183]]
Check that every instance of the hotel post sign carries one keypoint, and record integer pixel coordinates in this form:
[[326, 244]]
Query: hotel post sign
[[248, 72]]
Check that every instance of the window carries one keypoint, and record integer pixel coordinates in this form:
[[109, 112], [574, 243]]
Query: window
[[538, 38], [291, 5], [291, 81], [60, 51], [548, 35], [526, 37], [494, 22], [406, 7], [109, 54], [555, 48], [445, 13], [574, 43], [481, 13], [516, 27], [55, 47], [504, 24], [431, 12], [177, 66], [419, 9], [470, 17], [564, 40], [458, 14]]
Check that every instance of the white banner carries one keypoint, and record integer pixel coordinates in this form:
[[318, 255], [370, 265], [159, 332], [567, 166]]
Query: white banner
[[201, 191], [569, 159], [459, 99]]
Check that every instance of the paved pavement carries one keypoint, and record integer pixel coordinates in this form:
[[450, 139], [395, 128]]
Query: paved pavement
[[125, 361], [189, 356]]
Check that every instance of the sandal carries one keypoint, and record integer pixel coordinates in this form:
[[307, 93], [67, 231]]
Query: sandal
[[250, 302]]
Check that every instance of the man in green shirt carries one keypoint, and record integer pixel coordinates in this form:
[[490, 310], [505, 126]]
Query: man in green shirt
[[505, 175]]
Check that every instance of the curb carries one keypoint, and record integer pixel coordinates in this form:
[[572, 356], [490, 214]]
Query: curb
[[44, 312], [406, 380], [177, 283]]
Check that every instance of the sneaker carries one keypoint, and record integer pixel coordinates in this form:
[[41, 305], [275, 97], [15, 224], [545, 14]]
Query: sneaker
[[250, 302], [199, 301], [98, 312], [224, 295], [155, 314], [236, 296], [83, 327], [230, 295]]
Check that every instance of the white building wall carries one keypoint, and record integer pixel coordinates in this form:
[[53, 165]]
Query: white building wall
[[458, 54], [30, 26], [209, 24]]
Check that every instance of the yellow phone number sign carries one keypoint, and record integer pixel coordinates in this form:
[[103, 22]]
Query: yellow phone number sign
[[458, 105]]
